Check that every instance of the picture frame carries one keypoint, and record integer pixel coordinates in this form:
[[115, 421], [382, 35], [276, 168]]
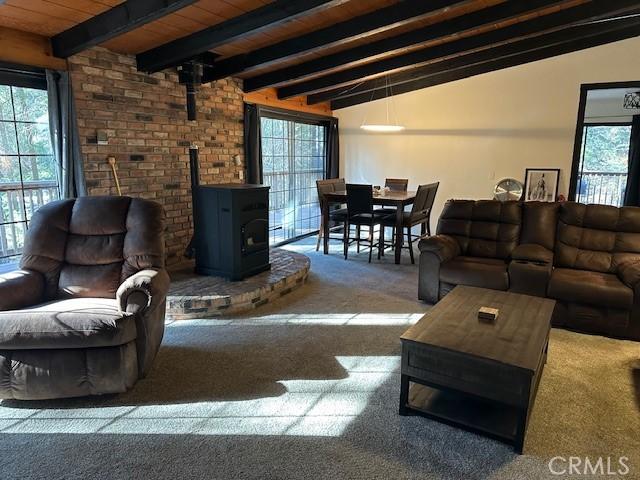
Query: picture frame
[[541, 184]]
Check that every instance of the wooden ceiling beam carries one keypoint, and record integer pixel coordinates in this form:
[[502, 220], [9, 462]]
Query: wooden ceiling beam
[[116, 21], [349, 78], [394, 45], [268, 16], [477, 67], [26, 48], [338, 34]]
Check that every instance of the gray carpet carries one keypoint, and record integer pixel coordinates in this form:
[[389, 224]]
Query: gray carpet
[[307, 388]]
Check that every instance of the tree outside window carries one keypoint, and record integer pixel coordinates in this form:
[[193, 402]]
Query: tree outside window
[[28, 176]]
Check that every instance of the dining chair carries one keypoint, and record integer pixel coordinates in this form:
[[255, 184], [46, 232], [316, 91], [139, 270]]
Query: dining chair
[[337, 214], [360, 213], [394, 185], [397, 184], [420, 214]]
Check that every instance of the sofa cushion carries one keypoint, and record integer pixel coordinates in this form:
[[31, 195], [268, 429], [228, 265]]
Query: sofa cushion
[[539, 223], [475, 272], [482, 228], [597, 237], [71, 323], [591, 288]]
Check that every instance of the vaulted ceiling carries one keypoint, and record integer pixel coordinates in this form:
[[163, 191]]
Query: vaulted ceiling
[[342, 51]]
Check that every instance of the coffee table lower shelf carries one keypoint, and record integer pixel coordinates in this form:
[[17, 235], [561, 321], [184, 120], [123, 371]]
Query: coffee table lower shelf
[[492, 419]]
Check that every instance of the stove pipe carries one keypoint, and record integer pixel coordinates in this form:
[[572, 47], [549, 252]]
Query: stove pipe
[[190, 75], [194, 167], [192, 90]]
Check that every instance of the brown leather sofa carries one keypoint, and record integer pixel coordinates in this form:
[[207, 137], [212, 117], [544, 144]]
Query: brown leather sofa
[[85, 313], [586, 257]]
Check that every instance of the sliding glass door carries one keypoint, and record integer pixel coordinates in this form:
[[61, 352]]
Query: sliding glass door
[[293, 158]]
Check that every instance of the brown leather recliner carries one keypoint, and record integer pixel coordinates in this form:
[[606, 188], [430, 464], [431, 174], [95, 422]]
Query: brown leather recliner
[[472, 247], [85, 313], [586, 257], [596, 275]]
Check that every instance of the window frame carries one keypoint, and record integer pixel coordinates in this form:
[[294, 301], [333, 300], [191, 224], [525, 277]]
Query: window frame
[[21, 76], [580, 124]]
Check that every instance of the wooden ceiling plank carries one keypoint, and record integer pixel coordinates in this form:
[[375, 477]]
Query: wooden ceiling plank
[[92, 7], [396, 44], [595, 37], [118, 20], [72, 15], [130, 42], [416, 58], [270, 15], [30, 21], [338, 34]]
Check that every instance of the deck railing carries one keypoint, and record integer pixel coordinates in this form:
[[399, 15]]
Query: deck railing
[[16, 200], [606, 188]]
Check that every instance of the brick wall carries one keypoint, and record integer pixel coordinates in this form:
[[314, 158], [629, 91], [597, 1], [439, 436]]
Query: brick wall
[[145, 119]]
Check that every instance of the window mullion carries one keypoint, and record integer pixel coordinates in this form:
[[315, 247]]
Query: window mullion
[[30, 147], [15, 129]]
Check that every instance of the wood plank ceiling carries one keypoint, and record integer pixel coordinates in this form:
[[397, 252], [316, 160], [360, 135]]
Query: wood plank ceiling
[[363, 49]]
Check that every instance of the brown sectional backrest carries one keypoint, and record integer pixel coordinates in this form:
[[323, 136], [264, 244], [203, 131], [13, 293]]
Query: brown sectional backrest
[[482, 228], [539, 223], [86, 247], [597, 237]]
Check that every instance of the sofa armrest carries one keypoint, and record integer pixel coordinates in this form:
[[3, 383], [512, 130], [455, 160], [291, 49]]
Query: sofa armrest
[[142, 291], [21, 288], [434, 251], [442, 246], [531, 252], [144, 294], [629, 274]]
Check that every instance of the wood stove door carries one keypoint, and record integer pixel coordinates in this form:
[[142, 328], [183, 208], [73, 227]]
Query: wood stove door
[[255, 235]]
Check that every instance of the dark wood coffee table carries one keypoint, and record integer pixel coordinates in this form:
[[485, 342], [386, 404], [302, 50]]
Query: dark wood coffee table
[[479, 376]]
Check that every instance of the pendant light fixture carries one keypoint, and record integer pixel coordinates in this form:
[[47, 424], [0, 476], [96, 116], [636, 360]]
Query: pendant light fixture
[[389, 126]]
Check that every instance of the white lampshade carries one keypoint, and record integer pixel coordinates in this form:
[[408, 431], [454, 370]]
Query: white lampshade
[[382, 128]]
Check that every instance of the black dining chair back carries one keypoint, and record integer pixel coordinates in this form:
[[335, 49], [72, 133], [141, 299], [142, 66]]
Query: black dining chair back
[[397, 184], [420, 201], [425, 196], [328, 186], [421, 210], [432, 190], [359, 199], [335, 212], [323, 188]]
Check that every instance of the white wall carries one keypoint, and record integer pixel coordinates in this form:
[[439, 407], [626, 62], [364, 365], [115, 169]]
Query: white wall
[[470, 133]]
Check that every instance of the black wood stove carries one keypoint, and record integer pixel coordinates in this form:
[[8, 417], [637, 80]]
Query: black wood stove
[[231, 227], [232, 230]]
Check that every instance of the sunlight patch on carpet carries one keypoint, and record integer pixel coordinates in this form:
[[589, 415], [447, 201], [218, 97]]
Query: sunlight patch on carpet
[[350, 319]]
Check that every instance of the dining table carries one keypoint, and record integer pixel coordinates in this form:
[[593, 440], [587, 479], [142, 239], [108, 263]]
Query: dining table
[[398, 199]]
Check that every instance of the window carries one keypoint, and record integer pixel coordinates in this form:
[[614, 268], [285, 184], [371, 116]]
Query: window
[[28, 177], [293, 158], [600, 163], [602, 174]]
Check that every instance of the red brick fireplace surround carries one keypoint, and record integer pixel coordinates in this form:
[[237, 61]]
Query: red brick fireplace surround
[[145, 121]]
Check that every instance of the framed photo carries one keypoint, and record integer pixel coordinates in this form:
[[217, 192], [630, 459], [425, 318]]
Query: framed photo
[[541, 184]]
